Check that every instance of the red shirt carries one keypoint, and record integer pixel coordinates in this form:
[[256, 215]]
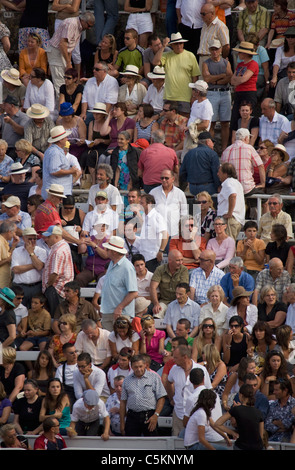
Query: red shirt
[[154, 159], [46, 215], [249, 85]]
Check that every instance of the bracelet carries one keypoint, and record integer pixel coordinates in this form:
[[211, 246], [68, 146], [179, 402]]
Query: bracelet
[[161, 251]]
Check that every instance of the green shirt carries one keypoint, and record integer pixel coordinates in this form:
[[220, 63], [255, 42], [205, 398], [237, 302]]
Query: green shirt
[[127, 57], [168, 282]]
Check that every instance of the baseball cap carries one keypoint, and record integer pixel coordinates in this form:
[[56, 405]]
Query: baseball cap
[[52, 230]]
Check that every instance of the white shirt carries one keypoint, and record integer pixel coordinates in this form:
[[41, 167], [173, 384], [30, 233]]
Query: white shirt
[[105, 92], [172, 207], [219, 316], [155, 98], [203, 111], [190, 12], [98, 352], [151, 234], [69, 373], [93, 218], [199, 418], [251, 316], [228, 187], [43, 95], [290, 318], [86, 415], [20, 312], [97, 379], [143, 284], [20, 257], [114, 196], [183, 386]]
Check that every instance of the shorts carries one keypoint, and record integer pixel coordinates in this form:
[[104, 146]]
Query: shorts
[[221, 104], [141, 22], [183, 106], [36, 340]]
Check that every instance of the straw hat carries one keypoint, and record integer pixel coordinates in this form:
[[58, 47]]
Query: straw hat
[[158, 72], [246, 47], [283, 150], [58, 133], [116, 244], [11, 76], [175, 38], [17, 169], [239, 292], [100, 108], [29, 231], [38, 111], [141, 303], [131, 70], [56, 190], [276, 43]]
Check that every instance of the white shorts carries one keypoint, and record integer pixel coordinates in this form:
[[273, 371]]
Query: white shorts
[[141, 22]]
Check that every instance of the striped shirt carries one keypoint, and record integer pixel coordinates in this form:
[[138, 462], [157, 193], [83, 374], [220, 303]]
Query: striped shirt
[[215, 30], [244, 158], [60, 262], [271, 129], [70, 29], [142, 393]]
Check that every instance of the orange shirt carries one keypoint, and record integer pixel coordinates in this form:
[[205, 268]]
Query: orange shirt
[[180, 245], [26, 67]]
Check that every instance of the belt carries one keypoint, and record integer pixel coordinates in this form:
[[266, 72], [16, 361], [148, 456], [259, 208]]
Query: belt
[[33, 284], [218, 89], [139, 12], [200, 184]]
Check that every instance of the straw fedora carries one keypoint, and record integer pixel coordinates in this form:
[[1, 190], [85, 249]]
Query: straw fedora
[[56, 190], [115, 244], [276, 43], [131, 70], [141, 303], [158, 72], [175, 38], [246, 47], [38, 111], [11, 76], [17, 169], [283, 150], [58, 133], [239, 292], [99, 108]]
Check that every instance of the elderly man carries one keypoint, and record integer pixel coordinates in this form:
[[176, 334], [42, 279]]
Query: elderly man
[[37, 129], [12, 123], [170, 202], [283, 92], [217, 72], [101, 88], [155, 91], [204, 277], [200, 166], [150, 166], [153, 235], [236, 277], [164, 281], [275, 276], [201, 108], [275, 215], [142, 400], [58, 269], [104, 175], [231, 201], [180, 308], [253, 19], [18, 186], [271, 122], [181, 68], [62, 44], [213, 28], [94, 340], [56, 166], [14, 213], [120, 286], [8, 241], [27, 263], [173, 125]]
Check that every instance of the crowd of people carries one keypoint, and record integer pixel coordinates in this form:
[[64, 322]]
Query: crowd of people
[[193, 311]]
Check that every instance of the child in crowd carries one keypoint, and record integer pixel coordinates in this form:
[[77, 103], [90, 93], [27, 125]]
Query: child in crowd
[[251, 249], [39, 325]]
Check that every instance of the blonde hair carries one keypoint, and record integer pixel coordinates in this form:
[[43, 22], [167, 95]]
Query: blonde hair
[[219, 289], [69, 318], [9, 355], [212, 356], [264, 291], [113, 44], [24, 145], [207, 196]]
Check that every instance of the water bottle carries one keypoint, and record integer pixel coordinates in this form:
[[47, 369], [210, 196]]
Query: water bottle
[[90, 250]]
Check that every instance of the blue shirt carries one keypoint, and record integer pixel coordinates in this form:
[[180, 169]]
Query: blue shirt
[[246, 280], [120, 279], [25, 222], [53, 161], [200, 165]]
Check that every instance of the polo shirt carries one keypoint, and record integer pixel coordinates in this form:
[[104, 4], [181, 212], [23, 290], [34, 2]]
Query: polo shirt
[[168, 282], [246, 280], [152, 166], [267, 221], [20, 256]]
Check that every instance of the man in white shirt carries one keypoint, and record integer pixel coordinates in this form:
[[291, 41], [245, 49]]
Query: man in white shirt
[[231, 202], [94, 340], [271, 122], [170, 201], [88, 376], [104, 174], [27, 263], [190, 22], [65, 371], [201, 108], [179, 386], [155, 92], [101, 88], [101, 214], [143, 276]]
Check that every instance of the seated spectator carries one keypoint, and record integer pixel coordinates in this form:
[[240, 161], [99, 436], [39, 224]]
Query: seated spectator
[[251, 249], [65, 371], [275, 368], [130, 54], [12, 87], [123, 336], [40, 90], [281, 18], [117, 121], [106, 51], [222, 245], [246, 121], [264, 151], [235, 343], [260, 343], [208, 214], [132, 91], [10, 439], [270, 122], [183, 332], [277, 171], [207, 335], [5, 406], [94, 340], [51, 439], [71, 122], [155, 91], [274, 276], [12, 373], [275, 215], [173, 125], [216, 368], [31, 162], [5, 162], [290, 300], [113, 405], [87, 373], [270, 309], [285, 54], [241, 306], [285, 344], [12, 123], [146, 123], [68, 327], [152, 342], [236, 277], [188, 242], [278, 247], [104, 176], [56, 404], [121, 368], [18, 186], [71, 91], [37, 128], [278, 426], [143, 276], [286, 138], [43, 370], [101, 214], [27, 410], [282, 92], [215, 308]]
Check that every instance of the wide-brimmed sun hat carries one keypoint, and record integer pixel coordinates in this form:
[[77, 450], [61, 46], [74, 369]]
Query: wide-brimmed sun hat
[[246, 47], [58, 133], [37, 111], [115, 244]]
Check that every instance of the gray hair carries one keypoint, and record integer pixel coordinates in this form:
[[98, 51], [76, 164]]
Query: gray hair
[[7, 226], [237, 261], [219, 217], [277, 196], [108, 170], [87, 16], [88, 323], [125, 134], [158, 136]]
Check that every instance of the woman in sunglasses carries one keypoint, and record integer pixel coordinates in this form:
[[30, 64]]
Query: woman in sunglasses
[[67, 325], [207, 335], [152, 342], [235, 343], [208, 214], [123, 336]]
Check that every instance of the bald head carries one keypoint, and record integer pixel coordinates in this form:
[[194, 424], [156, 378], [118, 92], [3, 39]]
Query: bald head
[[276, 267], [175, 260]]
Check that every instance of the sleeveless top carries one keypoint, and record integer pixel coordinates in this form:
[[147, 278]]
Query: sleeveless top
[[237, 351], [100, 59], [137, 3], [216, 68], [144, 132], [75, 221]]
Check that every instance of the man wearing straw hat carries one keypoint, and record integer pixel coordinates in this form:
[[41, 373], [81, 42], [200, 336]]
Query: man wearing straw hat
[[181, 68], [18, 186], [12, 123], [120, 285], [37, 129], [13, 86], [56, 166]]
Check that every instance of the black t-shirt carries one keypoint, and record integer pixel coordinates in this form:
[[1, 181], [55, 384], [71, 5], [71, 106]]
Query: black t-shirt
[[280, 252], [6, 318], [28, 413], [35, 14], [8, 383], [278, 307], [247, 419], [71, 98]]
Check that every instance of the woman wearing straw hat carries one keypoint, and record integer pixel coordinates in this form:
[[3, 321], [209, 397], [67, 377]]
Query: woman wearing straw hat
[[276, 171], [132, 92], [244, 78]]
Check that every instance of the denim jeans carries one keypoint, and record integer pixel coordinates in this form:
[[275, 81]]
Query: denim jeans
[[103, 27]]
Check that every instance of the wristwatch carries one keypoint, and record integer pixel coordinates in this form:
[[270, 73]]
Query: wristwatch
[[31, 254], [157, 414], [162, 251]]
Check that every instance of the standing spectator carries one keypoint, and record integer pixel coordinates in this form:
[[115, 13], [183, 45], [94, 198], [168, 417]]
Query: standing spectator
[[155, 92], [189, 21], [7, 236], [58, 268], [140, 19], [105, 24], [113, 405], [255, 19]]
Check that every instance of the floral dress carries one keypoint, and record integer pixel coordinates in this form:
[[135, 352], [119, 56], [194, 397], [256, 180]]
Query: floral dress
[[124, 177], [5, 63]]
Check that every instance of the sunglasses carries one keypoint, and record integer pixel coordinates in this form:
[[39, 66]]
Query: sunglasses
[[165, 177], [207, 325], [97, 69], [272, 203], [68, 78], [63, 323], [121, 322], [261, 147], [146, 317], [235, 326]]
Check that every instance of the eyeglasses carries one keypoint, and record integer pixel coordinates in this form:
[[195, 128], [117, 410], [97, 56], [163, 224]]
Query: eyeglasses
[[68, 78], [235, 326], [272, 203], [146, 317], [20, 297], [165, 178], [166, 110], [201, 202], [218, 225], [207, 325], [97, 69], [127, 38], [121, 322], [261, 147], [69, 208], [188, 225]]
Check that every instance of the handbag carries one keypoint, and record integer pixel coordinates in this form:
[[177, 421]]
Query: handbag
[[86, 181]]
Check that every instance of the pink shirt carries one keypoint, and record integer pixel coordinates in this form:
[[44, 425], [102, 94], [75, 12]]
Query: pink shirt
[[152, 349], [60, 262], [70, 29], [153, 160]]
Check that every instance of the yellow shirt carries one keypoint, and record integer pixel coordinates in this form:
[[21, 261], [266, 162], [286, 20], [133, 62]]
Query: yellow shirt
[[249, 261]]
